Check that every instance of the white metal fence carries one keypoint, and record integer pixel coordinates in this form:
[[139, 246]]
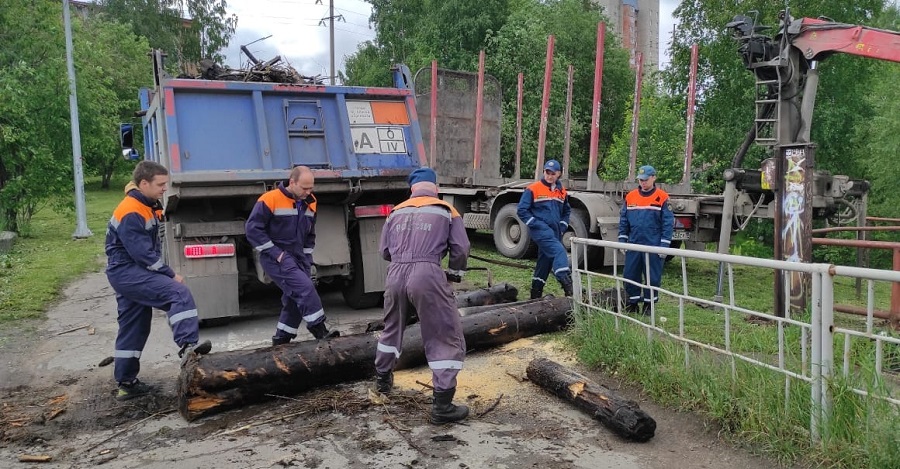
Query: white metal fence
[[807, 356]]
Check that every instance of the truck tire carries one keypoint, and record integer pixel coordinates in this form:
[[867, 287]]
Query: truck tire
[[579, 226], [354, 292], [511, 236]]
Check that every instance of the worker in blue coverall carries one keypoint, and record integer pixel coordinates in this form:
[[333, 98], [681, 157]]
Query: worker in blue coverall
[[646, 218], [416, 236], [142, 281], [282, 228], [545, 209]]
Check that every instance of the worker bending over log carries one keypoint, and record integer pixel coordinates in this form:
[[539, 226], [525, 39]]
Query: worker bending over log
[[416, 236]]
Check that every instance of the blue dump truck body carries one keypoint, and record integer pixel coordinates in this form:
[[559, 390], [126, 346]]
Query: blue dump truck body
[[225, 143]]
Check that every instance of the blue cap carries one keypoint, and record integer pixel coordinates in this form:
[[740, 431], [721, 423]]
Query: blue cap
[[422, 175], [553, 165], [645, 172]]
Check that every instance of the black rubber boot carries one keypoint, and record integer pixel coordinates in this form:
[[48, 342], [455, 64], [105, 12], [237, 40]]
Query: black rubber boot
[[632, 308], [319, 331], [200, 349], [280, 340], [537, 289], [384, 382], [646, 309], [566, 282], [444, 411]]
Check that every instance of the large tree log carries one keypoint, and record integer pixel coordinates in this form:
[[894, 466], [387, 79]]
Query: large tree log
[[469, 302], [221, 381], [622, 416]]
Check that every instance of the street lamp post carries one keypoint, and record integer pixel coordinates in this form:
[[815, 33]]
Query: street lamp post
[[81, 229]]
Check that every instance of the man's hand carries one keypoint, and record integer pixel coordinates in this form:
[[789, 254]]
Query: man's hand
[[178, 278], [453, 278]]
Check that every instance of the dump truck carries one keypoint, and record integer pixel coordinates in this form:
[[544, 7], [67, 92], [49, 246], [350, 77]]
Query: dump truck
[[225, 143]]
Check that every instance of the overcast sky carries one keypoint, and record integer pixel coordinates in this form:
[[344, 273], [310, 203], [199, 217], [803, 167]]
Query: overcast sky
[[298, 36]]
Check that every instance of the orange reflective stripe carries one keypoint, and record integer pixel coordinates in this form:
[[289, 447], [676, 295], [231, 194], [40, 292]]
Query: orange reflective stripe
[[423, 201], [131, 205], [542, 193], [275, 200], [636, 200]]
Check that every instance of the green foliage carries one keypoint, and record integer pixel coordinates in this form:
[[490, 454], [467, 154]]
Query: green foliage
[[661, 139], [35, 143], [162, 23], [521, 45], [39, 265], [514, 36], [33, 110]]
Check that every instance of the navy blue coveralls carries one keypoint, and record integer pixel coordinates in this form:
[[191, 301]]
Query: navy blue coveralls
[[142, 281], [279, 224], [646, 218], [545, 210]]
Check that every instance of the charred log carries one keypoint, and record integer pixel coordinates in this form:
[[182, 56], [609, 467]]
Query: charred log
[[220, 381], [468, 302], [624, 417]]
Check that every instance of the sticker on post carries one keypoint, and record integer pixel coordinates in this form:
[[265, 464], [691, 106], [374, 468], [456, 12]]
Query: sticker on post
[[378, 139]]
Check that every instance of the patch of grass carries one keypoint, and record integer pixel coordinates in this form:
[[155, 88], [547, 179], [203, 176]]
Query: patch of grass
[[747, 400], [34, 272]]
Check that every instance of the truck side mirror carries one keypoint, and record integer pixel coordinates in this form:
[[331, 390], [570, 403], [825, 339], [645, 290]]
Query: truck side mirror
[[126, 138]]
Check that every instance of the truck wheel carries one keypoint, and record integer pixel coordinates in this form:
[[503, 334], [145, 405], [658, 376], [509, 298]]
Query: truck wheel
[[579, 227], [354, 292], [511, 235]]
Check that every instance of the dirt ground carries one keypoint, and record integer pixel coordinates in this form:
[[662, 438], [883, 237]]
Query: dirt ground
[[56, 403]]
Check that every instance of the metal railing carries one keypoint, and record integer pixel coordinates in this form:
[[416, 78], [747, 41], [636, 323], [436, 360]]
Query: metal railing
[[807, 356]]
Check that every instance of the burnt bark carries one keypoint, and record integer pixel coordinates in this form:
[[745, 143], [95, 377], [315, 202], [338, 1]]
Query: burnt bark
[[623, 416], [468, 302], [220, 381]]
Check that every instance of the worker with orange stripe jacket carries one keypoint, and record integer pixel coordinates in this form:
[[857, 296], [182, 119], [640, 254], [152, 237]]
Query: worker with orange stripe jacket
[[416, 236], [282, 229], [142, 281], [646, 218], [545, 209]]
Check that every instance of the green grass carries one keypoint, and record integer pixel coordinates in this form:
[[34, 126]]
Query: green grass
[[44, 260], [751, 408]]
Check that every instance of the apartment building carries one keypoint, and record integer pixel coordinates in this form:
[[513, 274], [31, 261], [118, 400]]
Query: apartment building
[[636, 23]]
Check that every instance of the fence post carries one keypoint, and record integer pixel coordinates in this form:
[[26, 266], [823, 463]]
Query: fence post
[[827, 339], [815, 359]]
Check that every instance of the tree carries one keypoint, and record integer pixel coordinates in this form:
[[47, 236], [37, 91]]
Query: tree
[[163, 22], [33, 109], [113, 65]]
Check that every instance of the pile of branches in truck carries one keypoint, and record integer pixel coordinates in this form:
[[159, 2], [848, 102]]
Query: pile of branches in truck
[[272, 71]]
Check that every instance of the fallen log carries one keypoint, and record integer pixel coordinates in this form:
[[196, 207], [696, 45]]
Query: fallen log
[[220, 381], [624, 417], [496, 294], [469, 302]]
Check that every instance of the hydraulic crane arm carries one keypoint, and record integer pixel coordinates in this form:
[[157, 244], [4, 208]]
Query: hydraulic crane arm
[[817, 39]]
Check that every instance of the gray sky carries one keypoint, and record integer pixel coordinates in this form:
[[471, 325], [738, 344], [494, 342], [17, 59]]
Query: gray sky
[[300, 39]]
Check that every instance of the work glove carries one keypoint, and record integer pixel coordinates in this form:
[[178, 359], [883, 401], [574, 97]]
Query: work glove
[[453, 277]]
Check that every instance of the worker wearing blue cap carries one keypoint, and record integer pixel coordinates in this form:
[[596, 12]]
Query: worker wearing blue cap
[[416, 236], [646, 218], [545, 209]]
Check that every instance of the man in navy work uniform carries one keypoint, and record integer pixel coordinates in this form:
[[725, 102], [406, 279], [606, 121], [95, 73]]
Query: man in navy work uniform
[[282, 228], [416, 236], [142, 281], [545, 209], [646, 218]]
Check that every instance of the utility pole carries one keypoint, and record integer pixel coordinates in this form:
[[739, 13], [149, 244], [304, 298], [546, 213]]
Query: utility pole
[[81, 230], [331, 19]]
